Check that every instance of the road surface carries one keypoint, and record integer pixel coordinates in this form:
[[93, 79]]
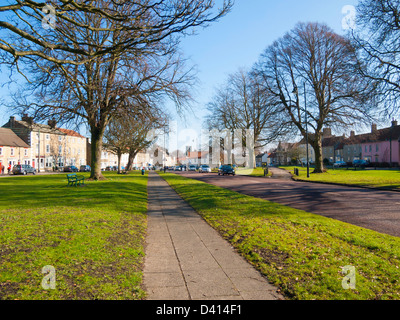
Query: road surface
[[373, 209]]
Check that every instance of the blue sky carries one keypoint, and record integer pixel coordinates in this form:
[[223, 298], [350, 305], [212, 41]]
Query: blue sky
[[237, 40]]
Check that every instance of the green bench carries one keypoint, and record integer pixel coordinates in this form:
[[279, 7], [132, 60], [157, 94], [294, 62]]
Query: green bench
[[74, 179]]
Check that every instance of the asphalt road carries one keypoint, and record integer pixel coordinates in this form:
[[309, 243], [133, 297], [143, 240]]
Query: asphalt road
[[373, 209]]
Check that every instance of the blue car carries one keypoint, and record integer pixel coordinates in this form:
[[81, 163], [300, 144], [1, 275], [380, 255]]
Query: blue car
[[84, 168], [71, 169], [226, 169], [360, 163]]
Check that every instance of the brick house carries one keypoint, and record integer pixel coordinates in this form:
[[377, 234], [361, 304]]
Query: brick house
[[382, 146], [48, 146], [13, 150]]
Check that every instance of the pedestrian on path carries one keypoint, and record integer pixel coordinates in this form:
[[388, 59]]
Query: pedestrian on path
[[9, 168], [2, 168]]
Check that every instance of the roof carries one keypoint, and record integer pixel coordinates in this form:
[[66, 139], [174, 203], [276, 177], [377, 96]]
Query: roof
[[9, 138], [384, 134], [36, 127], [71, 133], [197, 154], [332, 141]]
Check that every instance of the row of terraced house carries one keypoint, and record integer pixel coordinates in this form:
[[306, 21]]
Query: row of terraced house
[[47, 147], [379, 146]]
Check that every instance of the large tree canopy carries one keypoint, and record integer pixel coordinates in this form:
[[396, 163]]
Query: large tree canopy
[[313, 64], [377, 36], [32, 29], [106, 57]]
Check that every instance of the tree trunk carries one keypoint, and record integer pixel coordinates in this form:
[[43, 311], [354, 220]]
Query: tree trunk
[[132, 155], [119, 154], [96, 149], [317, 146]]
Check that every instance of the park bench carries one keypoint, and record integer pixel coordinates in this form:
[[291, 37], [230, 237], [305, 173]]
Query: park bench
[[74, 179]]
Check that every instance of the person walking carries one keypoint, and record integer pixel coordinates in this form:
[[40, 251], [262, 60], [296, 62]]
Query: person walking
[[2, 168], [9, 168]]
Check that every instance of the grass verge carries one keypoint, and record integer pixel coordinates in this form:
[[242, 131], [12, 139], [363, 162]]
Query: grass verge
[[91, 235], [302, 253], [254, 172], [366, 178]]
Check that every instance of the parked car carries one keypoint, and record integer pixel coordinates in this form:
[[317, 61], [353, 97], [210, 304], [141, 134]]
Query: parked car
[[360, 163], [70, 169], [226, 169], [192, 167], [204, 168], [340, 164], [178, 168], [23, 169], [84, 168]]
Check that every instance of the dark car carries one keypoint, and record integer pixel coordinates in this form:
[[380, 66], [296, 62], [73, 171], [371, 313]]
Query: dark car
[[360, 163], [340, 164], [70, 169], [226, 169], [23, 169], [85, 168]]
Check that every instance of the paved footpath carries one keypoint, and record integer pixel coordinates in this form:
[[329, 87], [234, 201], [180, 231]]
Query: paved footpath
[[186, 259]]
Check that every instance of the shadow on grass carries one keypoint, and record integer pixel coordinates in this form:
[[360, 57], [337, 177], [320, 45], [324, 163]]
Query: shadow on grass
[[118, 192]]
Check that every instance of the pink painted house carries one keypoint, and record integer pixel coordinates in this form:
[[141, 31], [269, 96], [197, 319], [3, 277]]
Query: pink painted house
[[381, 146]]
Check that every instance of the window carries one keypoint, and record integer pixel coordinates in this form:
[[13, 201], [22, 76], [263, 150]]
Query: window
[[47, 148], [366, 149], [377, 148], [26, 152], [12, 152], [1, 151], [59, 138], [47, 137], [48, 162], [370, 148], [59, 149]]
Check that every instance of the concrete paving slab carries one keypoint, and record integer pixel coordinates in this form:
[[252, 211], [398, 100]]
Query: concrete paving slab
[[187, 259]]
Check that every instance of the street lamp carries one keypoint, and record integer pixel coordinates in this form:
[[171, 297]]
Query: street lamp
[[305, 108], [295, 90]]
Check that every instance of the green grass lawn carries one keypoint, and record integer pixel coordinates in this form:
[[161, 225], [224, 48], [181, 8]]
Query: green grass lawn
[[301, 253], [92, 235], [371, 178], [255, 172]]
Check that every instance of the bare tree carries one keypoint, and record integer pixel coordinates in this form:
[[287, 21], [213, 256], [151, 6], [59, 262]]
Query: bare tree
[[127, 79], [132, 133], [242, 104], [311, 74], [377, 37], [32, 29]]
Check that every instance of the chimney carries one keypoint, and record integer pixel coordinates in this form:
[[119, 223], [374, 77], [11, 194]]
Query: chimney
[[352, 133], [374, 128], [327, 132], [394, 123], [27, 119], [52, 123], [12, 122]]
